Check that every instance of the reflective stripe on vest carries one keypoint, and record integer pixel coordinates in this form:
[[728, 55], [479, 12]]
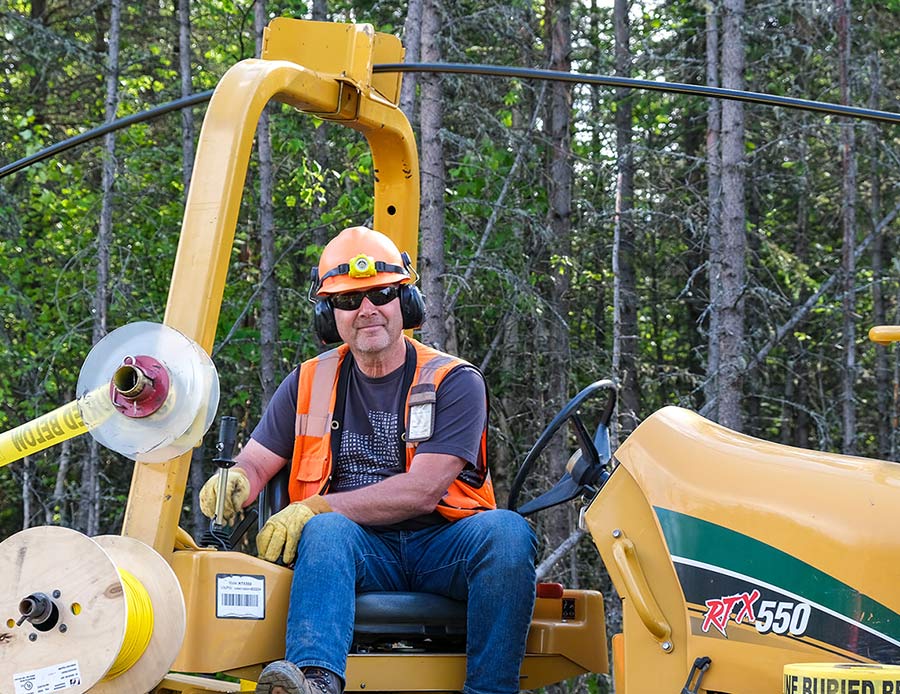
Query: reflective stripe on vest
[[311, 465]]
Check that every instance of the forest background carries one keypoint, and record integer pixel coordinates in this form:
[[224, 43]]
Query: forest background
[[720, 256]]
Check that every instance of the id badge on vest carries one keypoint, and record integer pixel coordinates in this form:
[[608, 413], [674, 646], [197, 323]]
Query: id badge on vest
[[421, 416]]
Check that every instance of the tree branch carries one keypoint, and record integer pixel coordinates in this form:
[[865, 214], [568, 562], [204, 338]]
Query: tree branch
[[495, 208], [785, 328], [564, 548]]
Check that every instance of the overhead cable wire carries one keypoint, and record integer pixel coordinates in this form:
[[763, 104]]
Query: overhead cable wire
[[651, 85], [492, 71], [100, 131]]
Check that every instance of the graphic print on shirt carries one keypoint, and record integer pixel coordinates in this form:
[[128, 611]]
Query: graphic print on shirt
[[365, 459]]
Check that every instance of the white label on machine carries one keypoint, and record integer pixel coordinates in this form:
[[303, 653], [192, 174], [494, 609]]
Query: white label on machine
[[54, 678], [240, 596]]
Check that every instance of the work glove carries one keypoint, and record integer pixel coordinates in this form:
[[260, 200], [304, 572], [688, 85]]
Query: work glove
[[282, 530], [237, 491]]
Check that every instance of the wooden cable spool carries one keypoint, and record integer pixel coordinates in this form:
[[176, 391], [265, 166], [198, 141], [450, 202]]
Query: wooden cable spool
[[80, 614]]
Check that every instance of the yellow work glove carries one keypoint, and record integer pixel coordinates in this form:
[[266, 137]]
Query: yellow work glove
[[282, 530], [237, 491]]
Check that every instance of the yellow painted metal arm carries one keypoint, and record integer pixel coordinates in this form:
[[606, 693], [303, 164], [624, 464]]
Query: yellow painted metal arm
[[204, 250], [213, 203], [223, 154]]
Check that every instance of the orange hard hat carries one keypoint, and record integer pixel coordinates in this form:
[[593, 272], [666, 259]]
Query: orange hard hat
[[359, 258]]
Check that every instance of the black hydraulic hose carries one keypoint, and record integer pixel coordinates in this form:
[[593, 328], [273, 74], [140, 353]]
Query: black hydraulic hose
[[490, 71], [632, 83], [184, 102]]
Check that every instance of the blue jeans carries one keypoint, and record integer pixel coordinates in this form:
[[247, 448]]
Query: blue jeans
[[486, 559]]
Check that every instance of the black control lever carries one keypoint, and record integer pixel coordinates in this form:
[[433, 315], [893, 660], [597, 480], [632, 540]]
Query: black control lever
[[224, 461], [219, 535]]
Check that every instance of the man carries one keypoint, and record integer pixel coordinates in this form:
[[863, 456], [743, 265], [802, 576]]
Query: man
[[389, 484]]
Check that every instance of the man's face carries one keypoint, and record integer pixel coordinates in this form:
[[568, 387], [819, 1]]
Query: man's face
[[370, 329]]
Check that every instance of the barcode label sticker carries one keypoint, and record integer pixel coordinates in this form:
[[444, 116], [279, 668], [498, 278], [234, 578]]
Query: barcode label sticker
[[240, 596], [55, 678]]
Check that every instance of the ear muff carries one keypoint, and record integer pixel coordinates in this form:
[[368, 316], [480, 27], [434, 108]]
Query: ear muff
[[324, 323], [412, 306]]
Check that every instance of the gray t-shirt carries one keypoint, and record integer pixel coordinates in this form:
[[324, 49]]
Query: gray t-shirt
[[373, 420]]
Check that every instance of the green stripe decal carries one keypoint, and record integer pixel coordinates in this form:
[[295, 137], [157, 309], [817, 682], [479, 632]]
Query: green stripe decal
[[717, 546]]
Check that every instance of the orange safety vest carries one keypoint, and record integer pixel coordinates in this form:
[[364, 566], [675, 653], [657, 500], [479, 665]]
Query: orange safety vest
[[468, 494]]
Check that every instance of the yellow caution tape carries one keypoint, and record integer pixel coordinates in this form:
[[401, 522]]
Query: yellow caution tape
[[841, 678], [88, 412], [45, 431]]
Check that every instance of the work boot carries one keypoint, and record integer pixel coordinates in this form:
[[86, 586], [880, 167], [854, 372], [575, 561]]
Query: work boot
[[325, 681], [283, 677]]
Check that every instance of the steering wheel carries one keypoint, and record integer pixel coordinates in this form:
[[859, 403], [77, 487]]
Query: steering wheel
[[586, 470]]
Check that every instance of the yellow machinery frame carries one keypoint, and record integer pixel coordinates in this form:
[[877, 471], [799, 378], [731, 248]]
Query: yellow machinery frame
[[323, 69], [326, 69]]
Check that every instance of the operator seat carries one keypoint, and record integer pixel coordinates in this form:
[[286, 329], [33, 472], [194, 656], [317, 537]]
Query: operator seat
[[420, 620]]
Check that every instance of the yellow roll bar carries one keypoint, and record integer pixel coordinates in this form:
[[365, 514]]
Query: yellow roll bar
[[319, 68]]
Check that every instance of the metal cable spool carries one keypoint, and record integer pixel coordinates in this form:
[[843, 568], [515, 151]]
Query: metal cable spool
[[148, 392], [103, 614], [145, 391]]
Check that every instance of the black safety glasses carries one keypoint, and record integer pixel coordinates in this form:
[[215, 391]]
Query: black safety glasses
[[353, 300]]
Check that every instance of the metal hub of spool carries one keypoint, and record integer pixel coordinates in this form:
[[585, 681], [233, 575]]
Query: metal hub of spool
[[64, 620], [148, 392], [139, 387]]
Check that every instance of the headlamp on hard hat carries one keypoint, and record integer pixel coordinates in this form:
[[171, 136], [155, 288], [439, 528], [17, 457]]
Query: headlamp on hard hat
[[362, 265]]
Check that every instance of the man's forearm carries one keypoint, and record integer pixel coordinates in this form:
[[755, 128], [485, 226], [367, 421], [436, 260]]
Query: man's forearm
[[400, 497], [260, 465]]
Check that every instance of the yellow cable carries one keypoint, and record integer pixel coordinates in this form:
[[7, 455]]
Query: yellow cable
[[138, 628]]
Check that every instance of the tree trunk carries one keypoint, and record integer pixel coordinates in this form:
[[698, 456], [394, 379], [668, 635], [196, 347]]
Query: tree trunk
[[268, 312], [848, 223], [625, 327], [879, 302], [559, 222], [795, 417], [431, 259], [187, 88], [319, 148], [412, 42], [732, 250], [55, 512], [197, 474], [90, 486], [598, 138], [714, 202]]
